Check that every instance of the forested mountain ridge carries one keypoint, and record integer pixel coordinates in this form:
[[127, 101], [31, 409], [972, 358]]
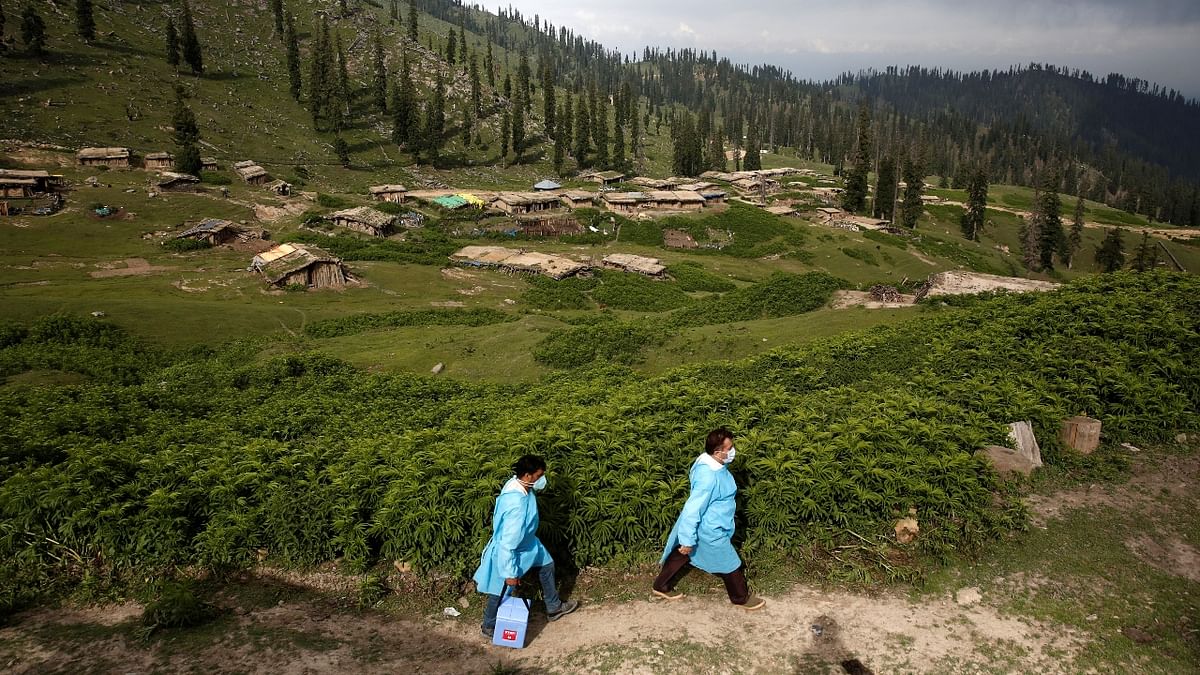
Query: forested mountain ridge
[[1116, 139]]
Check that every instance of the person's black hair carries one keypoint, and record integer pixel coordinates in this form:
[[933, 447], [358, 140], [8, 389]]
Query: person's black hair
[[528, 464], [716, 438]]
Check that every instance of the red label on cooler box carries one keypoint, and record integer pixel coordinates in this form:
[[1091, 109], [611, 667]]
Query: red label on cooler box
[[509, 635]]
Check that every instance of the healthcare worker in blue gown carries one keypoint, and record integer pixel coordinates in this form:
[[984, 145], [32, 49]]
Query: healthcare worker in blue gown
[[703, 533], [514, 548]]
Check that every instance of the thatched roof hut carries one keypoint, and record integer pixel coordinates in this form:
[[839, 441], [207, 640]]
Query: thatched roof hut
[[526, 202], [627, 262], [389, 193], [217, 232], [158, 161], [111, 157]]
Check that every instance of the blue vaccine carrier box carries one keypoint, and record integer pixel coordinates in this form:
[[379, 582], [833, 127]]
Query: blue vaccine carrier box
[[512, 620]]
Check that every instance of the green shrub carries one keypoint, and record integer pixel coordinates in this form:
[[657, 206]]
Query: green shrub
[[861, 254], [361, 323], [755, 232], [175, 606], [331, 202], [779, 295], [185, 245], [643, 232], [691, 276], [624, 290], [425, 246], [213, 178], [390, 207], [199, 459], [550, 294]]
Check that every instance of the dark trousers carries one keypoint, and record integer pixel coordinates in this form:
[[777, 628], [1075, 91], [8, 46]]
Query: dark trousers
[[735, 581]]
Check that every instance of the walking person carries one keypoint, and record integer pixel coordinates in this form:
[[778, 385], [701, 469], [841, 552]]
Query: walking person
[[514, 548], [703, 533]]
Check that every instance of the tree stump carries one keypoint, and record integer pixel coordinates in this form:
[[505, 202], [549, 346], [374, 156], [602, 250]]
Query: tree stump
[[1081, 434]]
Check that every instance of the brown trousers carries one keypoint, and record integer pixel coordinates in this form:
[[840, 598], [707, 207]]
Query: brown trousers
[[735, 581]]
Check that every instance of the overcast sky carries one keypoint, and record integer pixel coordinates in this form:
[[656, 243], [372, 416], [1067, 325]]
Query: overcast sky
[[1158, 40]]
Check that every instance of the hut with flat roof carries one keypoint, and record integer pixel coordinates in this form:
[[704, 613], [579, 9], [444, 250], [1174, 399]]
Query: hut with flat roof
[[252, 173], [296, 264], [116, 158], [389, 193], [159, 161], [366, 220], [520, 203]]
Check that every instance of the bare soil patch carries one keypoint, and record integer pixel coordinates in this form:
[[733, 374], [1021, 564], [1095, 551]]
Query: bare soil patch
[[133, 267]]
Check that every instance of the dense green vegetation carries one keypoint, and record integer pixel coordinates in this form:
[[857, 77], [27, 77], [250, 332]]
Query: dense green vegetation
[[422, 247], [206, 456], [360, 323]]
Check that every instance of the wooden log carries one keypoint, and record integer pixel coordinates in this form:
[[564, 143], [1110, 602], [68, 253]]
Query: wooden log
[[1081, 434]]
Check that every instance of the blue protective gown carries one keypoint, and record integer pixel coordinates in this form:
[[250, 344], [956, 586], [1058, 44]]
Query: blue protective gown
[[514, 548], [706, 523]]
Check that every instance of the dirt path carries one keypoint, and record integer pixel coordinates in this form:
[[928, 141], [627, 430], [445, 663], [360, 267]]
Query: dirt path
[[267, 623]]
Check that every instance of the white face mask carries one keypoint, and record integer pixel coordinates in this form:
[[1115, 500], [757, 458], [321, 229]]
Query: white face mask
[[539, 484], [732, 453]]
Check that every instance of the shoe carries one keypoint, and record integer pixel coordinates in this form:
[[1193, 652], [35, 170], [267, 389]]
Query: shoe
[[668, 595], [754, 603], [564, 609], [487, 633]]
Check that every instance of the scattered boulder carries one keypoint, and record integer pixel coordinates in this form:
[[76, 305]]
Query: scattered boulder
[[907, 530], [99, 315], [1007, 461], [1021, 434], [1081, 434], [968, 596], [439, 367]]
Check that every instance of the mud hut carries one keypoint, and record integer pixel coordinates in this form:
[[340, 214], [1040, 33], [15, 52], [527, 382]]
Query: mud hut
[[366, 220], [115, 158], [159, 161], [217, 232], [388, 193]]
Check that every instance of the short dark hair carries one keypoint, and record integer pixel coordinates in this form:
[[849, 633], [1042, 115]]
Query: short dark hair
[[715, 439], [528, 464]]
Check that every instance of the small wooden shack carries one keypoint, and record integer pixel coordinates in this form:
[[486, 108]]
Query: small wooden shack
[[116, 158], [654, 183], [208, 164], [17, 188], [289, 264], [713, 197], [251, 172], [757, 184], [674, 200], [519, 203], [624, 202], [217, 232], [159, 161], [279, 187], [578, 199], [366, 220], [389, 193], [169, 181], [42, 180], [780, 209], [604, 177], [627, 262]]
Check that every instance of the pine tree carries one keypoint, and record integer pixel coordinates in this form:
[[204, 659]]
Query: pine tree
[[1110, 255], [560, 145], [293, 57], [33, 31], [973, 219], [412, 21], [190, 43], [1145, 256], [468, 122], [854, 196], [618, 158], [1030, 237], [187, 138], [1075, 239], [342, 150], [85, 21], [884, 204], [518, 126], [523, 76], [911, 206], [753, 156], [319, 74], [462, 46], [583, 133], [435, 119], [1050, 228], [566, 123], [476, 88], [489, 64], [508, 89], [172, 44], [394, 11], [505, 134], [380, 81], [340, 103], [277, 13], [548, 105], [404, 106], [2, 43], [451, 48], [600, 131], [635, 138]]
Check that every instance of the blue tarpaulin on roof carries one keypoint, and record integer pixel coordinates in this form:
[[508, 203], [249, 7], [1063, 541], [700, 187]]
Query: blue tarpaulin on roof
[[450, 202]]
